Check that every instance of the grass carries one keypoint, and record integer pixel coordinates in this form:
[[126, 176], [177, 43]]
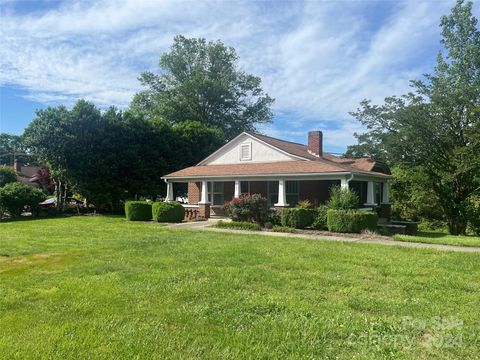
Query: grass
[[440, 238], [101, 287]]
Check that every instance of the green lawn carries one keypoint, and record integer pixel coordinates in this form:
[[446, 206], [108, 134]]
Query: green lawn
[[100, 287], [440, 238]]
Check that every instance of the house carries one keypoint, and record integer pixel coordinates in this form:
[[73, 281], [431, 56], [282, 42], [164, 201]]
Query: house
[[36, 176], [282, 171], [25, 174]]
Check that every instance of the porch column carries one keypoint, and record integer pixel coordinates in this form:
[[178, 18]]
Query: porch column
[[204, 205], [344, 183], [204, 194], [385, 197], [282, 194], [169, 196], [237, 189], [370, 194]]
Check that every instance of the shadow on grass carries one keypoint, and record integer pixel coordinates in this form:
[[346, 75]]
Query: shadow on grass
[[61, 216]]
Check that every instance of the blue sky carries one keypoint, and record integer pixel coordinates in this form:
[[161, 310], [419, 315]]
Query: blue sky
[[318, 59]]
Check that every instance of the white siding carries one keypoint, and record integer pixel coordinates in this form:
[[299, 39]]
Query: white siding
[[260, 152]]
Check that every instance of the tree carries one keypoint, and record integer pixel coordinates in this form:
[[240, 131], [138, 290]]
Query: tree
[[202, 81], [12, 148], [7, 175], [412, 196], [438, 125], [112, 156], [48, 138]]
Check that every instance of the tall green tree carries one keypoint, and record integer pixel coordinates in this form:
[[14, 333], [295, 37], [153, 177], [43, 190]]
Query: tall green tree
[[437, 126], [202, 81], [113, 155]]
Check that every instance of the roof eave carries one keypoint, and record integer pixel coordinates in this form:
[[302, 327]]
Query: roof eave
[[306, 174]]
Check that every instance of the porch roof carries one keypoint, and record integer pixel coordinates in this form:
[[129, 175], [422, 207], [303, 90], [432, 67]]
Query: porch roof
[[287, 168]]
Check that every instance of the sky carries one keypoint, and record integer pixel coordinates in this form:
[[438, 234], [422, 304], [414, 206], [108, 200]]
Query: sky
[[318, 59]]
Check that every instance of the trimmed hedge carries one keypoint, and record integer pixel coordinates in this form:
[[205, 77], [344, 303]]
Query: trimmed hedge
[[238, 225], [283, 229], [320, 220], [351, 221], [169, 212], [298, 218], [138, 211]]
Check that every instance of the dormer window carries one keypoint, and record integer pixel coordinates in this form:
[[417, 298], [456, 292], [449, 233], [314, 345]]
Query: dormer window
[[246, 151]]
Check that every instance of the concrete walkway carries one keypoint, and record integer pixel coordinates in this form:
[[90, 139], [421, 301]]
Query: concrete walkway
[[207, 226]]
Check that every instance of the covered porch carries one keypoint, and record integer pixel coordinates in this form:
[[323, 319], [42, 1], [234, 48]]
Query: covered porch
[[207, 195]]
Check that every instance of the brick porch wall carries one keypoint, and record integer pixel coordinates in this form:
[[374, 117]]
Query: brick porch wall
[[194, 190]]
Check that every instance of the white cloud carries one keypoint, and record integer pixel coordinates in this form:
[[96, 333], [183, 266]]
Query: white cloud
[[318, 59]]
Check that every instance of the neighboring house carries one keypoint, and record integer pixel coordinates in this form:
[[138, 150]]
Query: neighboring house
[[282, 171], [25, 174], [37, 176]]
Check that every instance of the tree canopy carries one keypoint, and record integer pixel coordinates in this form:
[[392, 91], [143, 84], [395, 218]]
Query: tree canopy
[[12, 148], [114, 155], [437, 126], [202, 81]]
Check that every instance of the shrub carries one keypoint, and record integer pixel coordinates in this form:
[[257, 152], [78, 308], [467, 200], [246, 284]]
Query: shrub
[[14, 197], [7, 175], [305, 204], [298, 218], [351, 221], [138, 210], [343, 199], [170, 212], [238, 225], [320, 220], [253, 208], [283, 229], [274, 217]]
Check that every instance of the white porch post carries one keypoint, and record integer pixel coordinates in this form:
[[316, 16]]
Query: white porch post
[[204, 195], [385, 197], [237, 189], [344, 183], [282, 194], [370, 193], [169, 196]]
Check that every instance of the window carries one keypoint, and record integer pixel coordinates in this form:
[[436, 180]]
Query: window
[[244, 187], [216, 193], [291, 189], [378, 187], [272, 192], [246, 151]]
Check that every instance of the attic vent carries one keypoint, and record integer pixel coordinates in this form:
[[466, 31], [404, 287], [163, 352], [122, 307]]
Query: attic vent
[[246, 151]]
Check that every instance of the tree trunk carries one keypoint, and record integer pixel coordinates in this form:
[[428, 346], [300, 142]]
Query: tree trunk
[[457, 225]]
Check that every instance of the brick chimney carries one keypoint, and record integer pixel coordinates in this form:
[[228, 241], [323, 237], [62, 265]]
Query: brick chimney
[[315, 143], [17, 166]]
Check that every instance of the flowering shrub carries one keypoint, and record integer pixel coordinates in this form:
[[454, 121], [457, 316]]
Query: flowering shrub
[[252, 208]]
